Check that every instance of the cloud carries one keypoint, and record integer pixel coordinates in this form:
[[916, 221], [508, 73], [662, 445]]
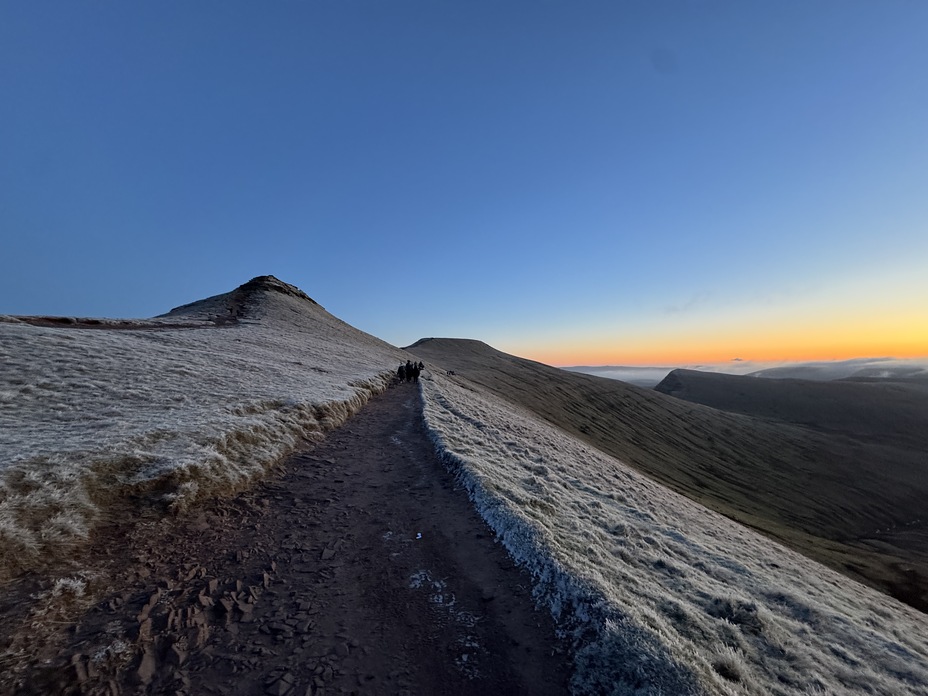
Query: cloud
[[695, 302], [640, 376], [873, 368]]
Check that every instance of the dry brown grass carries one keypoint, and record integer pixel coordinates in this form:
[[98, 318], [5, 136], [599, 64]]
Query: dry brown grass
[[851, 501]]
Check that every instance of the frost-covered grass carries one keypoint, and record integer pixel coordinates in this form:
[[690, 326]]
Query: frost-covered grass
[[94, 419], [661, 595]]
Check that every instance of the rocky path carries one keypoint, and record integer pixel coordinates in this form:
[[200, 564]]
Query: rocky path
[[359, 568]]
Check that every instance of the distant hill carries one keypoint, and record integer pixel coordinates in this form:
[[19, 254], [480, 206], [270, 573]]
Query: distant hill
[[854, 501], [893, 412]]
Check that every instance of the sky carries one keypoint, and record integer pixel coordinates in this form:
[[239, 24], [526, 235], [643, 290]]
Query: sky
[[580, 183]]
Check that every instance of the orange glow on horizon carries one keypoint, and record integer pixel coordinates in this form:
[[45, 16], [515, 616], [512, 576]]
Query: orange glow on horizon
[[669, 358], [891, 339]]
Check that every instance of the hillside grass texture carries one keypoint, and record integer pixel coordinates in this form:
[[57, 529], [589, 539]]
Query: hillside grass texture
[[851, 503]]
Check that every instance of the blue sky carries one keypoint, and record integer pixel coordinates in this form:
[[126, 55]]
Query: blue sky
[[580, 182]]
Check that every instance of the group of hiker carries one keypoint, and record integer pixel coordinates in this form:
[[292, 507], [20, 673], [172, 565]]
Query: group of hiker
[[409, 372]]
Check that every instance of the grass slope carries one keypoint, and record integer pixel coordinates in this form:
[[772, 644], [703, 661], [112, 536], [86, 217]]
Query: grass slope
[[853, 505], [104, 419], [893, 412]]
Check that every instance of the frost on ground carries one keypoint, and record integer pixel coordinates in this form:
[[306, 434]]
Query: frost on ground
[[95, 419], [660, 595], [467, 645]]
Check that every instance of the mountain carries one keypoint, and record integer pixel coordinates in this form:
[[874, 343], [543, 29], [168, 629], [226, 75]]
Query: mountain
[[244, 300], [587, 483], [853, 504], [108, 417], [885, 411]]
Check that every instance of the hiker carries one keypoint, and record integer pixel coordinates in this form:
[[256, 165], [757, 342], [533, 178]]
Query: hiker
[[401, 374], [409, 369]]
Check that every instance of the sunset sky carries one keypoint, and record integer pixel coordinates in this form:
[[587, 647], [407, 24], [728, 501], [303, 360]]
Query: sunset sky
[[638, 183]]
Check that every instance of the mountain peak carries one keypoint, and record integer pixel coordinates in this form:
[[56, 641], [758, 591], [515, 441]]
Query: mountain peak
[[269, 283], [240, 302], [432, 341]]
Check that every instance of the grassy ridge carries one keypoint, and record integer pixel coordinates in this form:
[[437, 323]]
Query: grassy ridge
[[842, 501], [885, 411]]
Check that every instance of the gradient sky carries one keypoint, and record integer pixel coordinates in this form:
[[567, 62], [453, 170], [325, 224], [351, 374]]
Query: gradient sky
[[575, 182]]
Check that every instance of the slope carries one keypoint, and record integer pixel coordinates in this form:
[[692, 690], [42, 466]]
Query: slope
[[825, 495], [107, 418], [893, 412]]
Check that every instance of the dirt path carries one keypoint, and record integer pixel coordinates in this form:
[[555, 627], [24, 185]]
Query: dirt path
[[360, 568]]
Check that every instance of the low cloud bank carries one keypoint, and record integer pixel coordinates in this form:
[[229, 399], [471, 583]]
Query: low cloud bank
[[639, 376]]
